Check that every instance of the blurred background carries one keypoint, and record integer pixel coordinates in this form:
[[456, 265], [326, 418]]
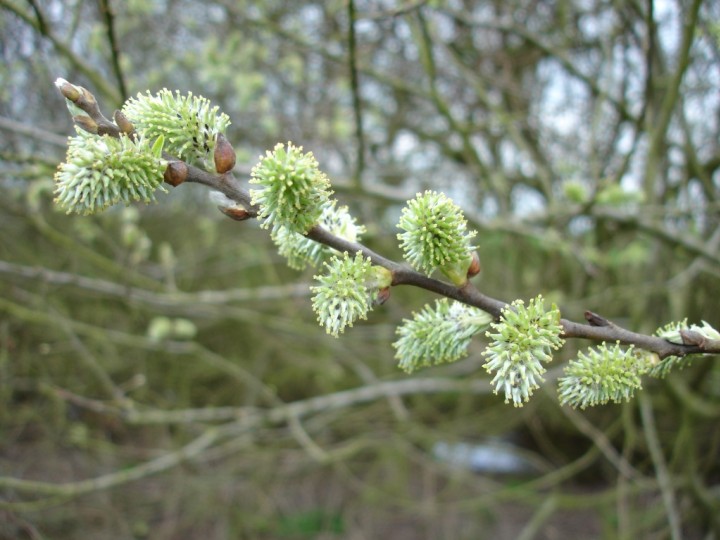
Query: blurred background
[[162, 375]]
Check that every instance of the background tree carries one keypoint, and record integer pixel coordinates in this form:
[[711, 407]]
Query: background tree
[[582, 142]]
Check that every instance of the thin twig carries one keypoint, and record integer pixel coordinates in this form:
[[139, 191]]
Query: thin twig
[[355, 89], [64, 50], [602, 442], [661, 470], [109, 17], [149, 468], [40, 134]]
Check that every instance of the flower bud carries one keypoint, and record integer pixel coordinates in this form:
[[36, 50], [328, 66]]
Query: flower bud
[[238, 213], [342, 296], [175, 173], [232, 209], [475, 267], [604, 373], [69, 91], [435, 236], [224, 155], [86, 123], [101, 171], [190, 124], [293, 189], [523, 340], [438, 334], [123, 122]]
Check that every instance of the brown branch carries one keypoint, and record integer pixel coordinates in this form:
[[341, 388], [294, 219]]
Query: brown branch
[[598, 329], [109, 17], [40, 134], [355, 88]]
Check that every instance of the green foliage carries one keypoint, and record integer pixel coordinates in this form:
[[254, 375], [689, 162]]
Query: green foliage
[[101, 171], [163, 328], [189, 124], [310, 523], [294, 190], [575, 192], [523, 339], [347, 291], [603, 374], [435, 236], [616, 195], [439, 334]]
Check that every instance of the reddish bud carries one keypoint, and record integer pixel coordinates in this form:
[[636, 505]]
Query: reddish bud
[[224, 155], [596, 320], [382, 296], [238, 213], [175, 173], [475, 267]]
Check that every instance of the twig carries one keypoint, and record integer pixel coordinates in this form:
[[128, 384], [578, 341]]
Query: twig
[[156, 299], [40, 134], [305, 441], [355, 88], [542, 514], [149, 468], [603, 443], [109, 17], [661, 471], [281, 413], [662, 120], [39, 24]]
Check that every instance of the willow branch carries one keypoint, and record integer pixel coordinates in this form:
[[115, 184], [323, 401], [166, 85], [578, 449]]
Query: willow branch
[[598, 329]]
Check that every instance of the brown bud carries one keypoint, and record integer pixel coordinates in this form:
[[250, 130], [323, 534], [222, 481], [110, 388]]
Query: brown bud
[[175, 173], [475, 267], [123, 123], [86, 123], [224, 155], [238, 213], [87, 101], [69, 91], [690, 337]]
